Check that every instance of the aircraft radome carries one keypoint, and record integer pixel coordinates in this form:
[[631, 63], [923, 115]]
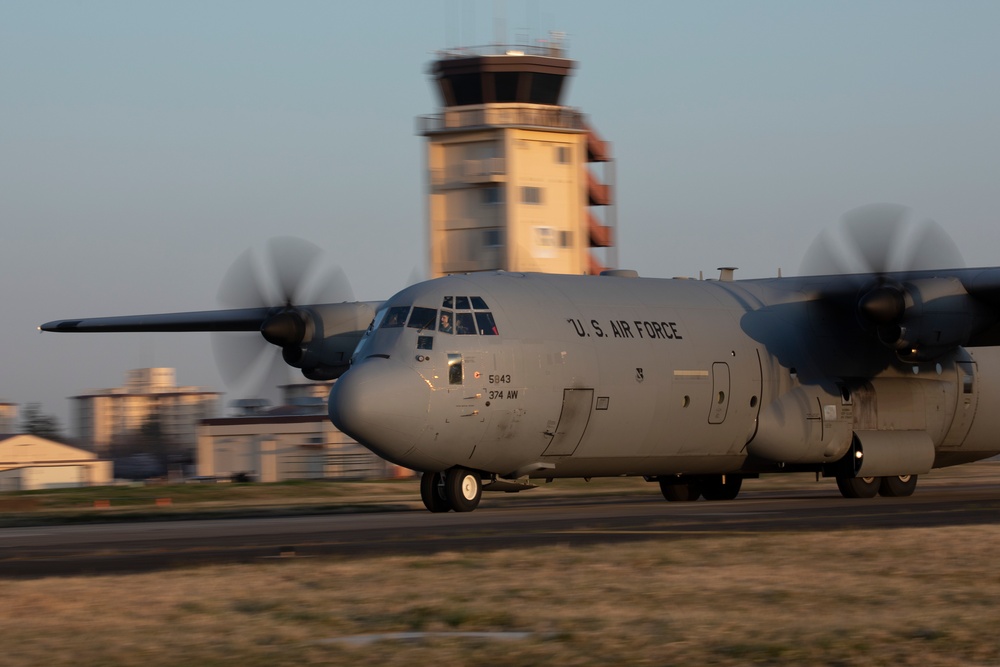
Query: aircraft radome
[[875, 372]]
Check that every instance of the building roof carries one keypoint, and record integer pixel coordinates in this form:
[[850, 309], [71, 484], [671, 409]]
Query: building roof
[[19, 448]]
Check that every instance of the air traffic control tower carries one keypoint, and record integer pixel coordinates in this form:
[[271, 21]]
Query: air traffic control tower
[[511, 171]]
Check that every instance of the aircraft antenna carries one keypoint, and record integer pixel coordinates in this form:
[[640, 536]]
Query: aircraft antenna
[[499, 22]]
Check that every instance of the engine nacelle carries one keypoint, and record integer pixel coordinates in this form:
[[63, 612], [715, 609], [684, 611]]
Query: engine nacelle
[[885, 454], [923, 319], [320, 339]]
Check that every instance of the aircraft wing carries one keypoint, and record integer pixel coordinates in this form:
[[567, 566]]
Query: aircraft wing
[[919, 313], [317, 339], [984, 284], [242, 319]]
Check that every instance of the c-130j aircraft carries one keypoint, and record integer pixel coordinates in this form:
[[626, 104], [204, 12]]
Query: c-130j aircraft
[[495, 381]]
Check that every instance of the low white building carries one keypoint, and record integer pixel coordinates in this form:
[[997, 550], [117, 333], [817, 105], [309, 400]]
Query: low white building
[[278, 448], [29, 463]]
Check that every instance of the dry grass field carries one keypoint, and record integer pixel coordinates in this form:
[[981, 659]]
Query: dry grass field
[[901, 597]]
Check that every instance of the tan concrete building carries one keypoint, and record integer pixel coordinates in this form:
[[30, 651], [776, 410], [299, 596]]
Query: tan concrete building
[[104, 416], [509, 183], [29, 463], [8, 417]]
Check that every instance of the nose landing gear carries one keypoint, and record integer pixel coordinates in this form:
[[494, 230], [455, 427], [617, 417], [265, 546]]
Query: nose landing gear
[[432, 492], [456, 489]]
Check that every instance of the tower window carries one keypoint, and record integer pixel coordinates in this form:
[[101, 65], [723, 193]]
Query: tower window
[[491, 195], [545, 237], [566, 239], [531, 195], [562, 154], [491, 238]]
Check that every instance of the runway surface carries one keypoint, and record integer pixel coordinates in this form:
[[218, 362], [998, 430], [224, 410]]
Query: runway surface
[[500, 522]]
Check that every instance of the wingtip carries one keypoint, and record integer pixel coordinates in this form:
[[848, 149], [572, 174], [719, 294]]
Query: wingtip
[[59, 325]]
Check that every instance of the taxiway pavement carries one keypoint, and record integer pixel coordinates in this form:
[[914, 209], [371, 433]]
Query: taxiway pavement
[[500, 522]]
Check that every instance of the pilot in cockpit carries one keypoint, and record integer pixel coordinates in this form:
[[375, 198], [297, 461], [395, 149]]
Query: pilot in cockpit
[[445, 324], [397, 317]]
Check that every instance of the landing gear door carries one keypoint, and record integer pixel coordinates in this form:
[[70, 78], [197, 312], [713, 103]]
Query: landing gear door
[[573, 420]]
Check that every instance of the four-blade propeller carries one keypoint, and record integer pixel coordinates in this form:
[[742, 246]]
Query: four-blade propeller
[[289, 273], [897, 294]]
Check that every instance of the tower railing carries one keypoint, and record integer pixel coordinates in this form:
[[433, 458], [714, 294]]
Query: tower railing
[[551, 49], [458, 118]]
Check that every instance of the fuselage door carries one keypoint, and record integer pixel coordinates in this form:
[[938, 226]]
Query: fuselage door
[[573, 420], [720, 393], [965, 410]]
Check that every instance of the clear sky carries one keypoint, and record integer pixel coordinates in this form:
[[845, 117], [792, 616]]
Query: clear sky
[[144, 145]]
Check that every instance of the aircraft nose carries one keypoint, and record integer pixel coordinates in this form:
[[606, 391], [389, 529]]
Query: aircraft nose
[[383, 404]]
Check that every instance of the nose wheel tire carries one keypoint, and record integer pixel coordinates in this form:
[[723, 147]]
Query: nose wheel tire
[[859, 487], [463, 489], [898, 486], [432, 492]]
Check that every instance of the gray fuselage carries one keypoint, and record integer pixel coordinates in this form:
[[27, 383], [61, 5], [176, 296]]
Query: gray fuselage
[[580, 376]]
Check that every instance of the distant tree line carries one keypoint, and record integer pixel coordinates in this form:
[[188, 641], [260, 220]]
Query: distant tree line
[[36, 422]]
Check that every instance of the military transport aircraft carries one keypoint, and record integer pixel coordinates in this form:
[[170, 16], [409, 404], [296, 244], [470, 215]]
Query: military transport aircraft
[[874, 372]]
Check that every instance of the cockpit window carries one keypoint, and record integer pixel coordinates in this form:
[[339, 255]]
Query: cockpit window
[[423, 318], [468, 323], [447, 322], [376, 323], [377, 320], [464, 324], [487, 327], [396, 317]]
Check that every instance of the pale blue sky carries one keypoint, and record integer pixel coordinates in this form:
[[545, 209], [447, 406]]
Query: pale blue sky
[[144, 145]]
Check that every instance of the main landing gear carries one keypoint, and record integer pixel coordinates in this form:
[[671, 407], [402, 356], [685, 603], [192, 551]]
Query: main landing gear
[[687, 488], [897, 486], [456, 489]]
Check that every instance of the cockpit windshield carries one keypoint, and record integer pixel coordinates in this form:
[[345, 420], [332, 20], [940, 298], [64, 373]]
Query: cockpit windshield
[[458, 315], [396, 317], [423, 318], [376, 323]]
